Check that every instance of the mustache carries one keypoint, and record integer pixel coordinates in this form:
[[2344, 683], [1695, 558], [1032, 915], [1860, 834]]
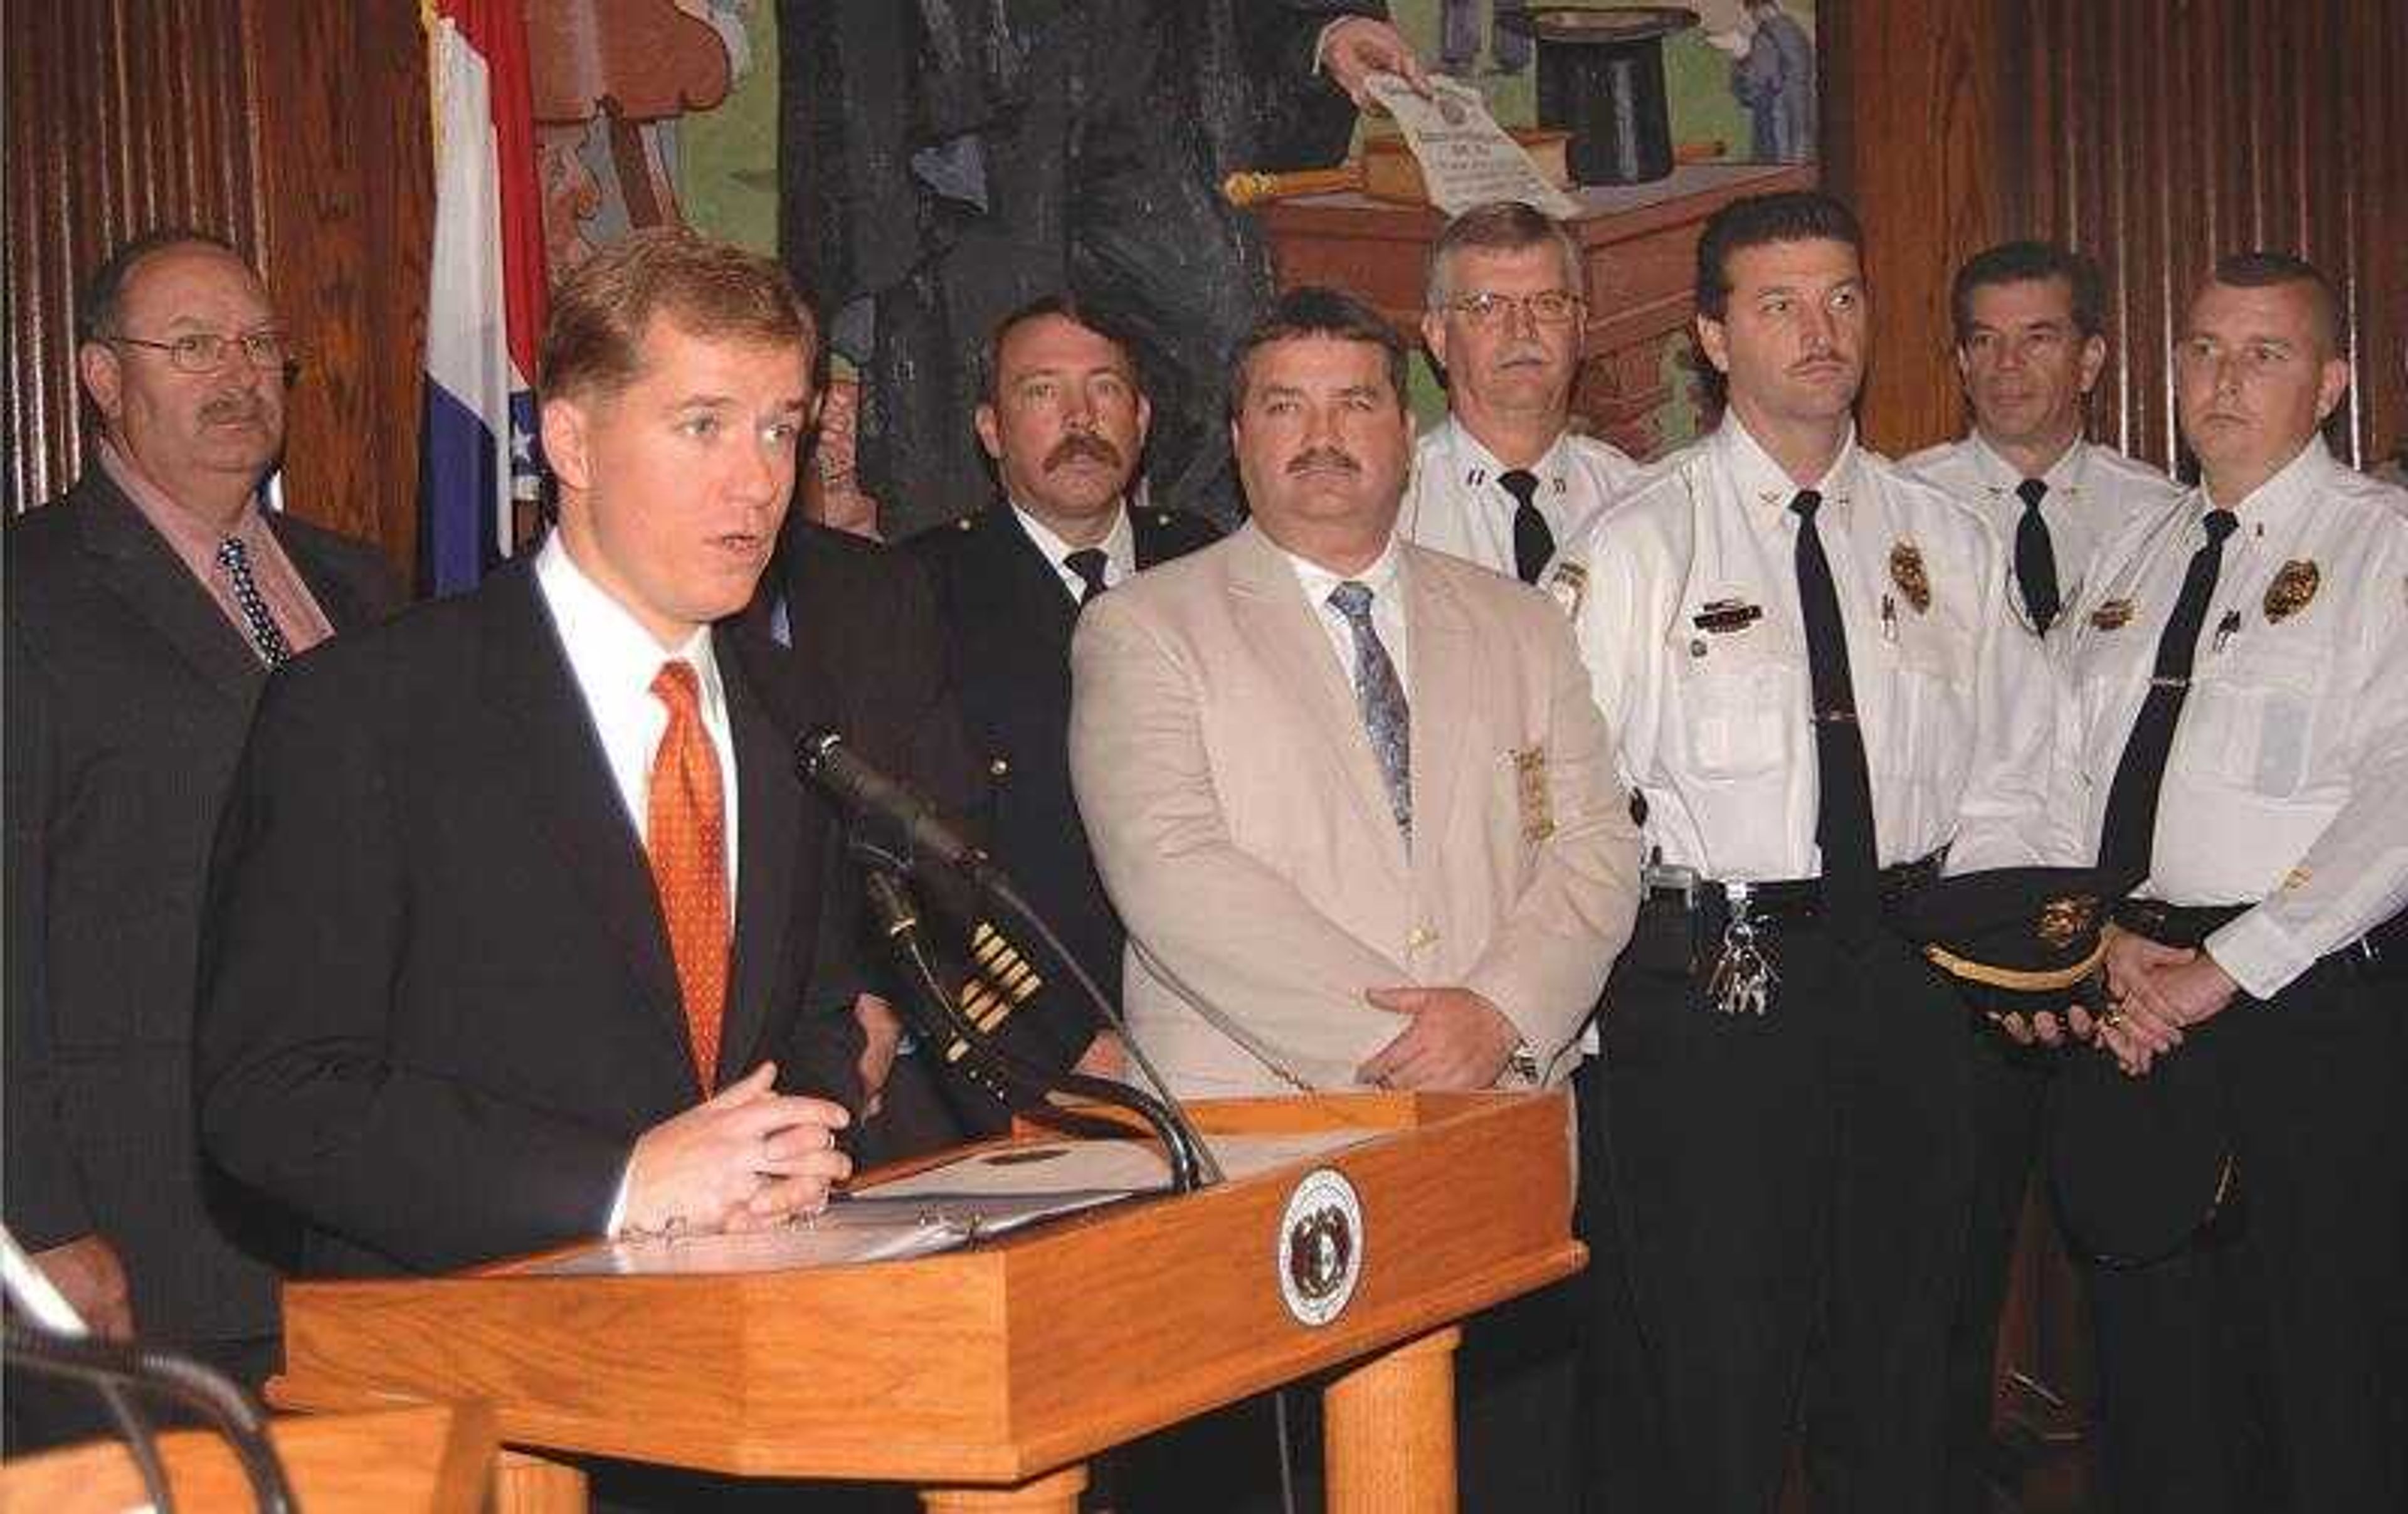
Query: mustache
[[1079, 444], [1319, 457], [226, 408]]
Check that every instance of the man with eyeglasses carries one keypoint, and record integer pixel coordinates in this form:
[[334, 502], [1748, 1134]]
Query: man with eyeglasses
[[2239, 753], [2030, 343], [1808, 661], [1503, 478], [1500, 481], [145, 610]]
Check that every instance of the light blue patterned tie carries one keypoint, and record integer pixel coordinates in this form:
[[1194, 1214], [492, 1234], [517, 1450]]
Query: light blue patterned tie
[[267, 637], [1386, 718]]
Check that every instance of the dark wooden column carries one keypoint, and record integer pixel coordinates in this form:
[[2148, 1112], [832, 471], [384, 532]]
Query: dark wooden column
[[347, 176], [1911, 95]]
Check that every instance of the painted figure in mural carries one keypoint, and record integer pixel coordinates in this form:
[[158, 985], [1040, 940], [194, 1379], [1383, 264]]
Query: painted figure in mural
[[1772, 75], [1458, 45], [948, 160]]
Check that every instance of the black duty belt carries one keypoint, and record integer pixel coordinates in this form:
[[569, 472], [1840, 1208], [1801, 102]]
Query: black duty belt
[[1792, 901], [2382, 952]]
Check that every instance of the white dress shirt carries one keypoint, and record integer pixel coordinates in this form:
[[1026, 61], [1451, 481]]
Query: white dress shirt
[[1386, 579], [1684, 600], [614, 661], [2094, 495], [1119, 547], [2287, 785], [1454, 504]]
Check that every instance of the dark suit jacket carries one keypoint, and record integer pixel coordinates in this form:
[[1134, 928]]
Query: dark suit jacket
[[1007, 621], [128, 693], [438, 1004], [868, 660]]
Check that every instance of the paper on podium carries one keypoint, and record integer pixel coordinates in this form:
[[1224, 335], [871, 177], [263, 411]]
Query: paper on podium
[[1467, 159], [975, 1197]]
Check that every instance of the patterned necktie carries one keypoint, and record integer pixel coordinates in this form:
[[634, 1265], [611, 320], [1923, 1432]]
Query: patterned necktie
[[1380, 698], [1088, 563], [1533, 542], [2128, 835], [267, 637], [686, 836], [2035, 558], [1843, 813]]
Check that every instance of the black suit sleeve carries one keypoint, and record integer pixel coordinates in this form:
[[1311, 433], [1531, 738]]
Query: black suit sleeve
[[1301, 118], [304, 1093], [45, 1204]]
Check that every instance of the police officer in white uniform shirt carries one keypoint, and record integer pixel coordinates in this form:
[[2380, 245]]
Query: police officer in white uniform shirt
[[2238, 722], [1817, 688], [1503, 481], [2030, 321], [2030, 342]]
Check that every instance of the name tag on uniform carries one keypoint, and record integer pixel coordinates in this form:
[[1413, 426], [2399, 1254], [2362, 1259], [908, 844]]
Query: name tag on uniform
[[1530, 793], [1568, 583], [1721, 617]]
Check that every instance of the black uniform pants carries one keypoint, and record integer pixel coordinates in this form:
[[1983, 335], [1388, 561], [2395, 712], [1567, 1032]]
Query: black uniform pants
[[1793, 1192], [2261, 1369], [2006, 1082], [1619, 1435]]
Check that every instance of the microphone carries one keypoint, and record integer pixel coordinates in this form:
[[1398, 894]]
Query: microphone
[[911, 820], [920, 835]]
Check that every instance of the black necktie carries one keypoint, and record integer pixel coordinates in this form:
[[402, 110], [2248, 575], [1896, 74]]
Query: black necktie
[[1533, 543], [2035, 558], [1088, 563], [2130, 832], [1843, 814]]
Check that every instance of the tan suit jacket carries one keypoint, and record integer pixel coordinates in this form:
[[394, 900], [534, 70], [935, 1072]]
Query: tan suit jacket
[[1241, 827]]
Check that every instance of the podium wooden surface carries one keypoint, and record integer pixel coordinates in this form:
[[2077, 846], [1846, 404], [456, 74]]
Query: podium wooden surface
[[426, 1458], [989, 1375], [1638, 245]]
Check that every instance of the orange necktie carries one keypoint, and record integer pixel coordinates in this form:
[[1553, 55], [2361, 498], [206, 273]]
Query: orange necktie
[[685, 832]]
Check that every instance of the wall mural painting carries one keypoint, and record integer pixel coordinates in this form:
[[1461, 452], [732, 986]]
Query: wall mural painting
[[663, 110]]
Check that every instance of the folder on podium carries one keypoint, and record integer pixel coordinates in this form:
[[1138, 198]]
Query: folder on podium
[[987, 1375]]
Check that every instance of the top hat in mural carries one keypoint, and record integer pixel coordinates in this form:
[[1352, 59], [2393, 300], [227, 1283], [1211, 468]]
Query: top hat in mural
[[1602, 78]]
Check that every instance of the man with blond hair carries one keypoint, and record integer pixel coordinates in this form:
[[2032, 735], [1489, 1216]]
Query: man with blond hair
[[513, 903]]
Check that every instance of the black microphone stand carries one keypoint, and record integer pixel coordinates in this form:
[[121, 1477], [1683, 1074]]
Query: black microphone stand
[[115, 1367], [938, 1017]]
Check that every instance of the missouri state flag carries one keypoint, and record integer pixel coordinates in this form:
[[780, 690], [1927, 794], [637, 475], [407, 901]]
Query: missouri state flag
[[485, 290]]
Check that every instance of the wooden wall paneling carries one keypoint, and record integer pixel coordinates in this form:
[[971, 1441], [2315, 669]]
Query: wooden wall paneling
[[2158, 135], [122, 115], [1912, 95], [297, 131]]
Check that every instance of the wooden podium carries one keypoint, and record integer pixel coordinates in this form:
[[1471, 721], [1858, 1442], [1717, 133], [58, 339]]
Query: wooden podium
[[988, 1375], [427, 1459]]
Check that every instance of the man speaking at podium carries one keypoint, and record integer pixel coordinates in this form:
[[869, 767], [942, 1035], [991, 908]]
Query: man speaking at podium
[[1350, 795], [514, 899]]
